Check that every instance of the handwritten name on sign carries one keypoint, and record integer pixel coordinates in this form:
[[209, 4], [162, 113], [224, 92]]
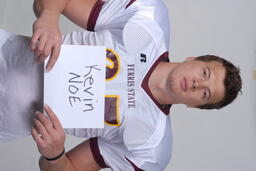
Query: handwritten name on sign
[[75, 88], [84, 83]]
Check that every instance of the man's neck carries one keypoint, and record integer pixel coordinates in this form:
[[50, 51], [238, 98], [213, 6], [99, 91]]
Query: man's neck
[[158, 81]]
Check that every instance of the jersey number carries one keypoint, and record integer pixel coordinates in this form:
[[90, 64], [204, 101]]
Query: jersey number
[[112, 102]]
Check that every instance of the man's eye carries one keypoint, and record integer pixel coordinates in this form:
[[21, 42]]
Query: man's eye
[[205, 94], [204, 72]]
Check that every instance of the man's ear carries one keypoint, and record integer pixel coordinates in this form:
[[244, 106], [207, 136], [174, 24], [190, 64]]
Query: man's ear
[[190, 59]]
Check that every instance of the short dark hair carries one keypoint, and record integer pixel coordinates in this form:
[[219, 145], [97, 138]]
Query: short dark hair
[[232, 81]]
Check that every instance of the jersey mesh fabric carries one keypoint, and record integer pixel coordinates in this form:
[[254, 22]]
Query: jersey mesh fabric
[[21, 86]]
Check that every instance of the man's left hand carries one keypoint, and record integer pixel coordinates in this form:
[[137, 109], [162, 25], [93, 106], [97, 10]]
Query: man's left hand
[[48, 134]]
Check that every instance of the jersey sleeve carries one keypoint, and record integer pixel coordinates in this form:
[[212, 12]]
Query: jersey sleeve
[[108, 14], [144, 157], [114, 14], [110, 155], [100, 38], [105, 25]]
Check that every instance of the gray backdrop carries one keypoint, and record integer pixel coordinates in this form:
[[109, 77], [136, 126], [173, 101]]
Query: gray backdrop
[[203, 140]]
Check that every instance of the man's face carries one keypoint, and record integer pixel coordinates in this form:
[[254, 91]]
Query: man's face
[[197, 82]]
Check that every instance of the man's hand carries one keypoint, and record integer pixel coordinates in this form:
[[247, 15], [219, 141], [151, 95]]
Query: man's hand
[[48, 134], [46, 39]]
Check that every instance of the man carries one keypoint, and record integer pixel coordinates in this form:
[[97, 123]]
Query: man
[[141, 84]]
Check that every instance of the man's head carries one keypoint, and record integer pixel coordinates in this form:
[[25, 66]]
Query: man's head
[[232, 81], [206, 82]]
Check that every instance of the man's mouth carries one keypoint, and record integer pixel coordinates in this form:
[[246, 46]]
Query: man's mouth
[[183, 84]]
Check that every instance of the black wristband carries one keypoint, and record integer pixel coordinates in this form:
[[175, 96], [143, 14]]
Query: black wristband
[[57, 157]]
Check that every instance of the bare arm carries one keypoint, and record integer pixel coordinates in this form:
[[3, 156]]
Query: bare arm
[[44, 6], [50, 143], [77, 11], [78, 159]]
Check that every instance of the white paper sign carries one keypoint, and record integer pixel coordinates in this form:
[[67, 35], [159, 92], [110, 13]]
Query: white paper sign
[[75, 87]]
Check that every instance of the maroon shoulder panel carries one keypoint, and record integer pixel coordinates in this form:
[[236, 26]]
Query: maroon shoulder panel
[[96, 153], [94, 15]]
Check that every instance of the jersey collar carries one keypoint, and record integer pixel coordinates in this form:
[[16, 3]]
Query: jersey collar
[[164, 108]]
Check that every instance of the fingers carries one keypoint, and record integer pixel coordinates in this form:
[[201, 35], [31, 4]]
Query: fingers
[[43, 49], [50, 139], [46, 123], [43, 128], [36, 136], [34, 40], [55, 121], [43, 54], [39, 133], [46, 40], [40, 48], [54, 56]]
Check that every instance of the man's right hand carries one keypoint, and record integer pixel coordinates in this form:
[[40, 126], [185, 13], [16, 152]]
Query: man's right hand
[[46, 39]]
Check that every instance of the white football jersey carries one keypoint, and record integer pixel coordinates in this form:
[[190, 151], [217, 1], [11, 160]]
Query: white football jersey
[[137, 133]]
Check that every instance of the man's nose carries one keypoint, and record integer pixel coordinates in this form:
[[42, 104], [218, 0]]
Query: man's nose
[[197, 84]]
